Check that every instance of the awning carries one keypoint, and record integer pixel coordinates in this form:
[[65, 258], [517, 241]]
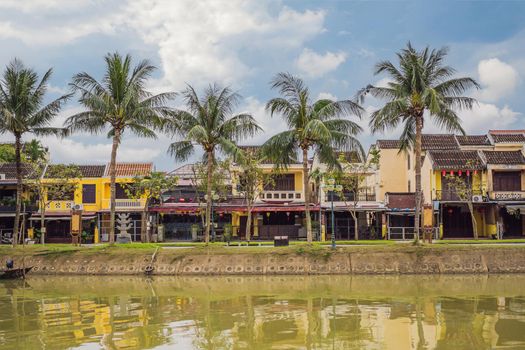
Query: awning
[[51, 218], [177, 209]]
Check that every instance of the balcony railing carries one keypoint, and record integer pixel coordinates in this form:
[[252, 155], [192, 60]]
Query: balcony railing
[[362, 196], [452, 195], [507, 195], [282, 196], [59, 205], [126, 203]]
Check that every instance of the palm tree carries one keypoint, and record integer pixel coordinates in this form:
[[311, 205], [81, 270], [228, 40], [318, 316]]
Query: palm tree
[[22, 111], [319, 126], [209, 123], [120, 103], [421, 84]]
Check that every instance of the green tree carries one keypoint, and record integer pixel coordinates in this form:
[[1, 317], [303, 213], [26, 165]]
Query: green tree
[[7, 153], [150, 188], [210, 123], [35, 152], [22, 111], [317, 126], [55, 183], [120, 103], [421, 88], [251, 182], [352, 177]]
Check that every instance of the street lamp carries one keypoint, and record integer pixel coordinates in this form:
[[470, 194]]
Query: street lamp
[[214, 197], [330, 188]]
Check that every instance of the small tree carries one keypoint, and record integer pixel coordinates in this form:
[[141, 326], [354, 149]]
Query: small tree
[[462, 188], [150, 188], [352, 176], [58, 182], [251, 182], [219, 183]]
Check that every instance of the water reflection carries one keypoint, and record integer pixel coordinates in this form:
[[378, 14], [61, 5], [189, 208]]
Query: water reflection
[[329, 312]]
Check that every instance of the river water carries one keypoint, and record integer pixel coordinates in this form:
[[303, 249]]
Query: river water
[[286, 312]]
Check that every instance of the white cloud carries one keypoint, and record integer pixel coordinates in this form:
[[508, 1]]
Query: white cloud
[[326, 96], [485, 116], [315, 65], [270, 125], [497, 78], [200, 42]]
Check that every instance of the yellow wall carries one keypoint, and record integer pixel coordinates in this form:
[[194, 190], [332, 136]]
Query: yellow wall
[[393, 175]]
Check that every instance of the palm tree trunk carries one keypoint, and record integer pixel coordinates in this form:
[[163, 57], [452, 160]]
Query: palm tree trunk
[[112, 176], [417, 163], [18, 161], [307, 196], [208, 198], [42, 221]]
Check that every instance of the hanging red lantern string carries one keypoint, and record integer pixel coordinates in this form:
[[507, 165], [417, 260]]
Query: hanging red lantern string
[[452, 172], [468, 172], [460, 173], [444, 173]]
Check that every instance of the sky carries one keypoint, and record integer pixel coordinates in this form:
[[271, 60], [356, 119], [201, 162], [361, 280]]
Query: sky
[[332, 45]]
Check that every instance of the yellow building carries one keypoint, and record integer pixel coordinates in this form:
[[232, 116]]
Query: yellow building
[[492, 165], [92, 197]]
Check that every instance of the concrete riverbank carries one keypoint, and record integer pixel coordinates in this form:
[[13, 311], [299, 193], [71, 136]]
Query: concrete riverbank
[[302, 260]]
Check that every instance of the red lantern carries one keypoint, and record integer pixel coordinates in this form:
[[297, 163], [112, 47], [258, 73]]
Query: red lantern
[[460, 173], [468, 172], [444, 173], [450, 211], [452, 172], [475, 172]]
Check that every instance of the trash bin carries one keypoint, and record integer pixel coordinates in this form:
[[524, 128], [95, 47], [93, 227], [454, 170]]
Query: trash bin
[[280, 241]]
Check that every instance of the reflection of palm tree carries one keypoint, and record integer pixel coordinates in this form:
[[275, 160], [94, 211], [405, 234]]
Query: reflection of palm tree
[[421, 343]]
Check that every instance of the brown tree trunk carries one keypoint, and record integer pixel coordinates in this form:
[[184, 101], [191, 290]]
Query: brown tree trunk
[[307, 197], [417, 163], [112, 176], [473, 218], [356, 226], [144, 236], [18, 161], [249, 224], [208, 197]]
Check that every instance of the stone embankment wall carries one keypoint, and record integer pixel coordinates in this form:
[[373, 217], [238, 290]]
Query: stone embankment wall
[[167, 262]]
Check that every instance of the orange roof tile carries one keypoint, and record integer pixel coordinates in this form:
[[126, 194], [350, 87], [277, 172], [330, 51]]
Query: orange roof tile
[[131, 169]]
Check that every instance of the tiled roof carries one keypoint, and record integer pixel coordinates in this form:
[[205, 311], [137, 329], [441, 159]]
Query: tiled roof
[[473, 140], [388, 144], [438, 142], [508, 138], [507, 131], [186, 169], [9, 170], [131, 169], [452, 160], [504, 157], [85, 170]]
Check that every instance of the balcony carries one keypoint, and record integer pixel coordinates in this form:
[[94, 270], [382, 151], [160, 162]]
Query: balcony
[[507, 195], [452, 196], [362, 196], [59, 206], [126, 203], [281, 196]]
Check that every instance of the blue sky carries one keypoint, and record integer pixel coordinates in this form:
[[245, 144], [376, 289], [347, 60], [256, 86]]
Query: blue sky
[[333, 45]]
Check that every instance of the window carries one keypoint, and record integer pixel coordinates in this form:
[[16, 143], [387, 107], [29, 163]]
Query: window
[[507, 181], [408, 161], [89, 194], [285, 182], [408, 186], [120, 192]]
